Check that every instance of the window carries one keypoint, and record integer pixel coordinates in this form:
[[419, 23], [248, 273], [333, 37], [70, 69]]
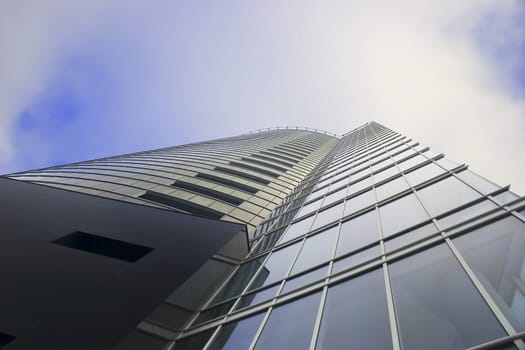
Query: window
[[410, 237], [277, 265], [359, 202], [316, 249], [328, 215], [436, 303], [445, 195], [298, 228], [390, 188], [237, 335], [358, 232], [6, 338], [290, 326], [401, 214], [496, 253], [356, 315], [105, 246]]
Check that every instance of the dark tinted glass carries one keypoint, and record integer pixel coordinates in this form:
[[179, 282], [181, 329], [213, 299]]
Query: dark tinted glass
[[436, 303], [257, 297], [356, 315], [237, 335], [290, 326], [278, 264]]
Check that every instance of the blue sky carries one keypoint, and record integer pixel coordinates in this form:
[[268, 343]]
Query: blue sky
[[82, 80]]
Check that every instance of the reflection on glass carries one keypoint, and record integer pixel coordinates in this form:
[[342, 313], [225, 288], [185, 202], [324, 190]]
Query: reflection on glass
[[194, 342], [328, 215], [257, 297], [214, 312], [358, 186], [357, 232], [390, 188], [423, 174], [385, 174], [298, 228], [356, 259], [356, 315], [481, 184], [400, 214], [316, 249], [290, 326], [237, 335], [304, 279], [505, 197], [466, 213], [308, 208], [335, 196], [435, 300], [445, 195], [409, 237], [359, 202], [277, 265], [496, 254], [409, 163], [239, 280]]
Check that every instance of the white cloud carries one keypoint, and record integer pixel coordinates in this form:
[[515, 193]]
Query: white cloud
[[189, 71]]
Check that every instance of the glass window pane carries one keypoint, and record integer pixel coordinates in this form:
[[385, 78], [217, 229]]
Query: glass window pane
[[359, 202], [277, 265], [481, 184], [466, 214], [237, 335], [257, 297], [505, 197], [356, 315], [445, 195], [358, 186], [194, 342], [356, 259], [298, 228], [400, 214], [423, 174], [385, 174], [317, 249], [335, 196], [496, 254], [328, 215], [290, 326], [436, 303], [308, 208], [239, 280], [390, 188], [409, 237], [358, 232], [409, 163], [304, 279]]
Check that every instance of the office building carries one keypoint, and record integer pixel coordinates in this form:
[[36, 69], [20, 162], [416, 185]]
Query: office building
[[365, 241]]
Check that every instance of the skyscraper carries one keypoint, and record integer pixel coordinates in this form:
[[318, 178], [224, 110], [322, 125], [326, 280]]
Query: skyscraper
[[364, 241]]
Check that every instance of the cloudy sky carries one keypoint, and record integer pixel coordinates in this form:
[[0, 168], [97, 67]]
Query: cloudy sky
[[86, 79]]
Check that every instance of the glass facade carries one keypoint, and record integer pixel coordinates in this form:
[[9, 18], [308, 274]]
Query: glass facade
[[366, 241]]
